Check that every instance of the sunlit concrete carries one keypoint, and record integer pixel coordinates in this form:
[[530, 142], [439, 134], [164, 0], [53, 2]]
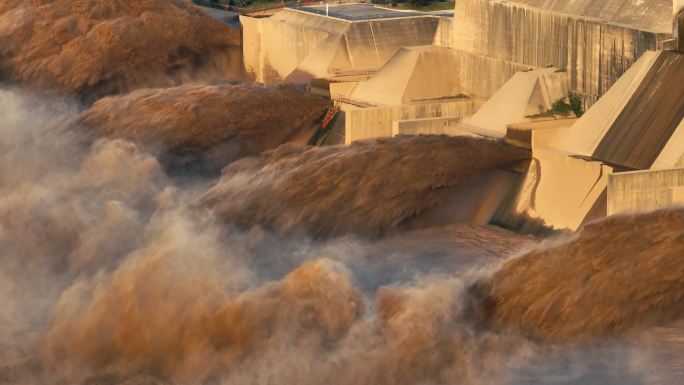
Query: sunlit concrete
[[537, 132], [594, 41], [648, 190], [638, 123], [526, 94], [377, 122], [296, 46], [412, 74], [430, 126]]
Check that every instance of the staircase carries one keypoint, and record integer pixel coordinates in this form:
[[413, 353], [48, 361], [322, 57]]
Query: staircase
[[322, 133]]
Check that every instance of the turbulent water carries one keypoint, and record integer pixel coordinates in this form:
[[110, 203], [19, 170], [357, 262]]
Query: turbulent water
[[296, 266], [113, 274], [92, 48], [616, 275], [200, 128], [368, 188]]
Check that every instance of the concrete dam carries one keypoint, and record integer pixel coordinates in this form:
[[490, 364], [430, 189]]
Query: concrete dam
[[336, 194], [498, 69]]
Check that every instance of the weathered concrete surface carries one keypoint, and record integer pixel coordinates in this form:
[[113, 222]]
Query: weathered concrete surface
[[538, 132], [251, 47], [370, 44], [341, 89], [524, 95], [412, 74], [445, 32], [646, 15], [299, 46], [594, 52], [583, 137], [480, 76], [431, 72], [275, 46], [641, 191], [377, 122], [430, 126]]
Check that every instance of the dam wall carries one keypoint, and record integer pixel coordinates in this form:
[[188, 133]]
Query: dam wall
[[577, 37], [295, 46], [641, 191], [372, 43], [274, 46]]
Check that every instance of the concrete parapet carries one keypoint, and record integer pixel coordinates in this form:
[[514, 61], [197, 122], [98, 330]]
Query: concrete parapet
[[376, 122], [537, 133], [430, 126], [640, 191]]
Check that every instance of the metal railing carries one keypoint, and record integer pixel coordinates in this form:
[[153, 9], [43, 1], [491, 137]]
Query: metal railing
[[277, 5], [238, 9]]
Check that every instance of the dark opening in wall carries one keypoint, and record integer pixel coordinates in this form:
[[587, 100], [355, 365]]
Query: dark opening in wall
[[679, 25]]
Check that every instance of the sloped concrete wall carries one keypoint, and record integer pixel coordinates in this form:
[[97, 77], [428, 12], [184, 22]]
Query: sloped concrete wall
[[412, 74], [376, 122], [641, 191], [595, 54], [585, 135], [650, 118], [639, 122]]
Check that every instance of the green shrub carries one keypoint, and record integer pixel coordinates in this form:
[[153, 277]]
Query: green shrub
[[575, 103], [565, 106]]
